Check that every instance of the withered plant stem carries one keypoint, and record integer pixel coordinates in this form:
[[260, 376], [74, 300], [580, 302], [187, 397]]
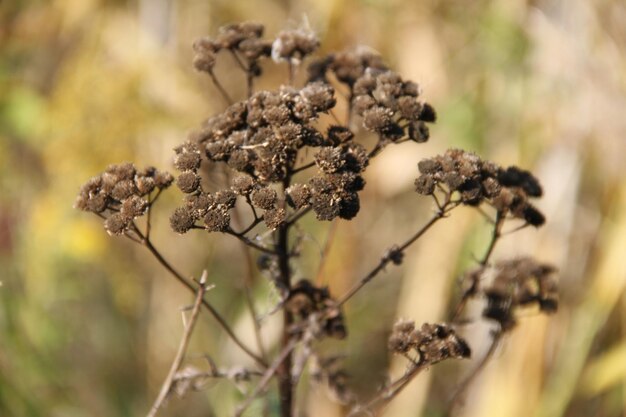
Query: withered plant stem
[[250, 243], [291, 72], [229, 101], [285, 385], [386, 395], [182, 347], [247, 284], [496, 233], [458, 395], [495, 236], [386, 259], [267, 377], [249, 74], [325, 251], [216, 315]]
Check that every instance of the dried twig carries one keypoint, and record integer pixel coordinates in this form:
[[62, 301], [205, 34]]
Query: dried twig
[[267, 377], [397, 251], [182, 347]]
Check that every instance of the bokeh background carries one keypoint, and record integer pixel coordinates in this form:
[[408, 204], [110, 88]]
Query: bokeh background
[[89, 323]]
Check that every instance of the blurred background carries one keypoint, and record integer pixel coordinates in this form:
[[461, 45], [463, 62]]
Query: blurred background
[[89, 324]]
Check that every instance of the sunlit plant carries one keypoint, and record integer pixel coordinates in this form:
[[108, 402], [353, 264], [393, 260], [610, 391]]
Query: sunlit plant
[[289, 153]]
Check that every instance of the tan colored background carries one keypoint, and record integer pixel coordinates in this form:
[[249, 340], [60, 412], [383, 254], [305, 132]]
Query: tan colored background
[[89, 324]]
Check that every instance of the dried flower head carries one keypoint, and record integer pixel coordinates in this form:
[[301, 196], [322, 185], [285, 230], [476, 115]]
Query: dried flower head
[[347, 66], [507, 190], [433, 342], [294, 45], [390, 106], [317, 309], [515, 284], [119, 194]]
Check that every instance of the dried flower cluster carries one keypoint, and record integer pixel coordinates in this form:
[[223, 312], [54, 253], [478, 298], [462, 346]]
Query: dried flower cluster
[[261, 138], [507, 190], [329, 372], [294, 45], [315, 307], [346, 66], [118, 194], [266, 159], [514, 284], [432, 342], [242, 39], [390, 106]]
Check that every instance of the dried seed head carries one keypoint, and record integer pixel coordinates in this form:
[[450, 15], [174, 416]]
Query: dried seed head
[[514, 284], [217, 220], [134, 206], [265, 198], [274, 218], [117, 223], [294, 45], [199, 203], [243, 184], [433, 342], [507, 190], [319, 95], [182, 219], [163, 179], [188, 182], [187, 161], [339, 134], [401, 340], [226, 199], [425, 184], [298, 196]]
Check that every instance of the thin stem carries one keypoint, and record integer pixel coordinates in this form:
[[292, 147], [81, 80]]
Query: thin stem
[[239, 62], [497, 231], [334, 116], [285, 386], [248, 296], [182, 347], [387, 258], [326, 250], [246, 69], [469, 292], [303, 167], [229, 101], [251, 226], [267, 377], [291, 72], [456, 399], [250, 242], [350, 108], [254, 213], [298, 216], [148, 244], [389, 393]]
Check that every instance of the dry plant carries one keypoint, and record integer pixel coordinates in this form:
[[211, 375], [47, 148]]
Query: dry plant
[[287, 153]]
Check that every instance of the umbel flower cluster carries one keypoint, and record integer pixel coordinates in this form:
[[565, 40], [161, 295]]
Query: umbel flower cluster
[[271, 157]]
